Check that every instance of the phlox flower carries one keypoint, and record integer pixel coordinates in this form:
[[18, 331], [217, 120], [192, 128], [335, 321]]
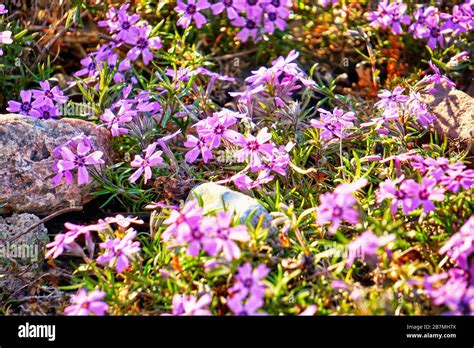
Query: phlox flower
[[78, 159], [25, 107], [255, 148], [191, 305], [119, 251], [365, 246], [339, 205], [143, 44], [334, 123], [190, 11], [152, 158], [84, 303], [249, 281], [48, 96]]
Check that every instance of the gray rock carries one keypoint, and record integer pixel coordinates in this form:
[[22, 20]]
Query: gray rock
[[26, 148], [217, 197], [17, 242], [454, 111]]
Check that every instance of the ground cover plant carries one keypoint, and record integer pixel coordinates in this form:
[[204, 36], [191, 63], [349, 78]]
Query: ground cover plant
[[317, 109]]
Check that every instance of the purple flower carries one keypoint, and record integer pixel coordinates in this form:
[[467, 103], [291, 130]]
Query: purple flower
[[224, 236], [84, 303], [457, 293], [435, 168], [390, 16], [403, 195], [396, 12], [232, 7], [143, 44], [334, 123], [418, 27], [113, 18], [249, 27], [216, 127], [115, 122], [119, 251], [276, 11], [189, 11], [3, 10], [460, 21], [48, 96], [252, 7], [249, 281], [89, 67], [454, 179], [126, 26], [339, 205], [391, 99], [460, 247], [380, 17], [428, 192], [381, 123], [152, 159], [198, 146], [191, 305], [67, 241], [420, 110], [255, 148], [78, 160], [438, 78], [365, 246], [47, 112], [277, 162], [245, 306], [182, 222], [25, 107]]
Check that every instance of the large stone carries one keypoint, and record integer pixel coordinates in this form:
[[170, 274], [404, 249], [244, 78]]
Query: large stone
[[26, 148], [454, 111], [217, 197], [19, 240]]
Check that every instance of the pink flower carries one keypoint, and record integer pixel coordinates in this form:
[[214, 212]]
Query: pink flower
[[84, 303], [223, 236], [191, 305], [255, 148], [198, 147], [182, 222], [123, 221], [340, 205], [152, 159], [115, 121], [48, 96], [67, 241], [366, 245], [216, 127], [6, 37], [118, 252], [78, 160]]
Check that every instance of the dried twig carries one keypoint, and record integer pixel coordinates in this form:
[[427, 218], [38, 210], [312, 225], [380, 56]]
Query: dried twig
[[47, 218]]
